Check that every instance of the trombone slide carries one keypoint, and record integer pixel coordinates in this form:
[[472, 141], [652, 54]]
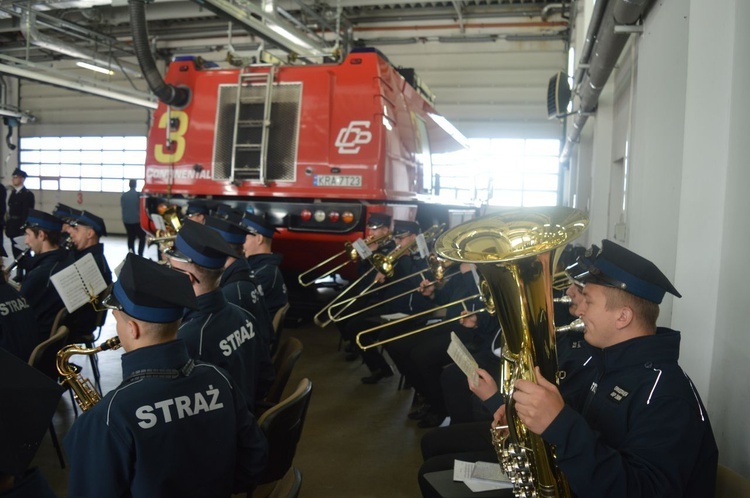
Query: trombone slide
[[462, 302]]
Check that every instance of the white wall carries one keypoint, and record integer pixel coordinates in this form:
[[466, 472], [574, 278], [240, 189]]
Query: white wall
[[716, 150], [495, 89], [687, 192]]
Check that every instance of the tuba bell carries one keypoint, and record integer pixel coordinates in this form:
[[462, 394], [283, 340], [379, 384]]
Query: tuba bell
[[515, 252]]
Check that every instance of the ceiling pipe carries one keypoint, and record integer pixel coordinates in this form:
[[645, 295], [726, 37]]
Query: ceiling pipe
[[268, 26], [588, 45], [33, 73], [31, 32], [605, 51], [551, 8]]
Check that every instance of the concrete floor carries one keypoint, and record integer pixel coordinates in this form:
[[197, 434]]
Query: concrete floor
[[357, 440]]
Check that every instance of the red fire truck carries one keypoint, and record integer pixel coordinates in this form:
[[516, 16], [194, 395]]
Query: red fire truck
[[314, 148]]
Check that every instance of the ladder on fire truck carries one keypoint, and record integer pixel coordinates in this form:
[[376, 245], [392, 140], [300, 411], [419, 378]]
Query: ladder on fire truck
[[252, 115]]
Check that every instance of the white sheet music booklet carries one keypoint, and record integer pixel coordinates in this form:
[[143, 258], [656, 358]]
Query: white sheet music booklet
[[79, 283], [468, 365]]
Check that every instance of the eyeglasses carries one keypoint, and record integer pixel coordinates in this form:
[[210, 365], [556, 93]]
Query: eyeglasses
[[169, 265], [110, 303]]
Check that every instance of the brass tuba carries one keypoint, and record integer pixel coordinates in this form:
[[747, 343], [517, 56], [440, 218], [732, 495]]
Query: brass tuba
[[515, 252], [83, 391]]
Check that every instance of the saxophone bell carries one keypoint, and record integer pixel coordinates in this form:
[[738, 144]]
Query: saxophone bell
[[84, 392]]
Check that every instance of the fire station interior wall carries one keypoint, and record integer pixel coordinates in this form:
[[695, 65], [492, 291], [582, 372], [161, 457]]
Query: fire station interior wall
[[488, 89], [62, 112], [669, 139]]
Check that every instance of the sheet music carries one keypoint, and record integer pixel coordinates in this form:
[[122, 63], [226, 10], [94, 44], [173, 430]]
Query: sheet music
[[19, 242], [461, 356], [79, 282], [363, 251], [118, 269], [480, 476], [424, 251], [158, 221]]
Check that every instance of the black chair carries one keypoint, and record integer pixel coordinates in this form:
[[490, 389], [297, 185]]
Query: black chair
[[278, 327], [283, 364], [282, 424], [43, 358], [59, 319], [730, 484]]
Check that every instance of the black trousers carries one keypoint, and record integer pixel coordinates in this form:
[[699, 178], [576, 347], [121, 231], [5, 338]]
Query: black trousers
[[468, 442], [134, 231], [461, 404], [367, 320]]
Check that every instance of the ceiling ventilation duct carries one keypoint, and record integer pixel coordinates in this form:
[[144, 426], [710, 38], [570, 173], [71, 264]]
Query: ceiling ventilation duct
[[602, 49], [169, 94]]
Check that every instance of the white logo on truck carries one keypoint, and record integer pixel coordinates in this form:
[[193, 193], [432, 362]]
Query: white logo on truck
[[351, 138]]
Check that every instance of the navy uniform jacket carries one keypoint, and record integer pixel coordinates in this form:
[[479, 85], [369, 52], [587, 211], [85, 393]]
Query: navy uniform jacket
[[240, 289], [225, 335], [39, 291], [264, 268], [413, 302], [172, 428], [460, 286], [634, 425], [19, 204], [83, 320], [17, 323]]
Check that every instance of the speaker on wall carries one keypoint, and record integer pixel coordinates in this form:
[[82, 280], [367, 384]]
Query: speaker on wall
[[558, 95]]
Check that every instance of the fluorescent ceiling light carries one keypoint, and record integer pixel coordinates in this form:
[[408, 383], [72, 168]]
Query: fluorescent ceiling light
[[289, 36], [32, 72], [92, 67]]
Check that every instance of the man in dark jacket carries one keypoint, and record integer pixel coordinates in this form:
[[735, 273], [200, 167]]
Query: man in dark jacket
[[175, 426], [236, 283], [17, 323], [264, 264], [43, 232], [628, 421], [397, 299], [219, 332], [20, 202], [85, 230]]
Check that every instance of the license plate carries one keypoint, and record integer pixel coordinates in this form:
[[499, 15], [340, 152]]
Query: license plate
[[337, 180]]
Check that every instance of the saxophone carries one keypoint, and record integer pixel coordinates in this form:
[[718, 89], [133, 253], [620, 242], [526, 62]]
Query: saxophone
[[83, 391], [515, 252]]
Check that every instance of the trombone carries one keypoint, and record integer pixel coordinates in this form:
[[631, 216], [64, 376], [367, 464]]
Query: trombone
[[483, 294], [349, 251], [574, 326], [151, 239], [385, 264], [436, 266], [560, 281], [321, 321]]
